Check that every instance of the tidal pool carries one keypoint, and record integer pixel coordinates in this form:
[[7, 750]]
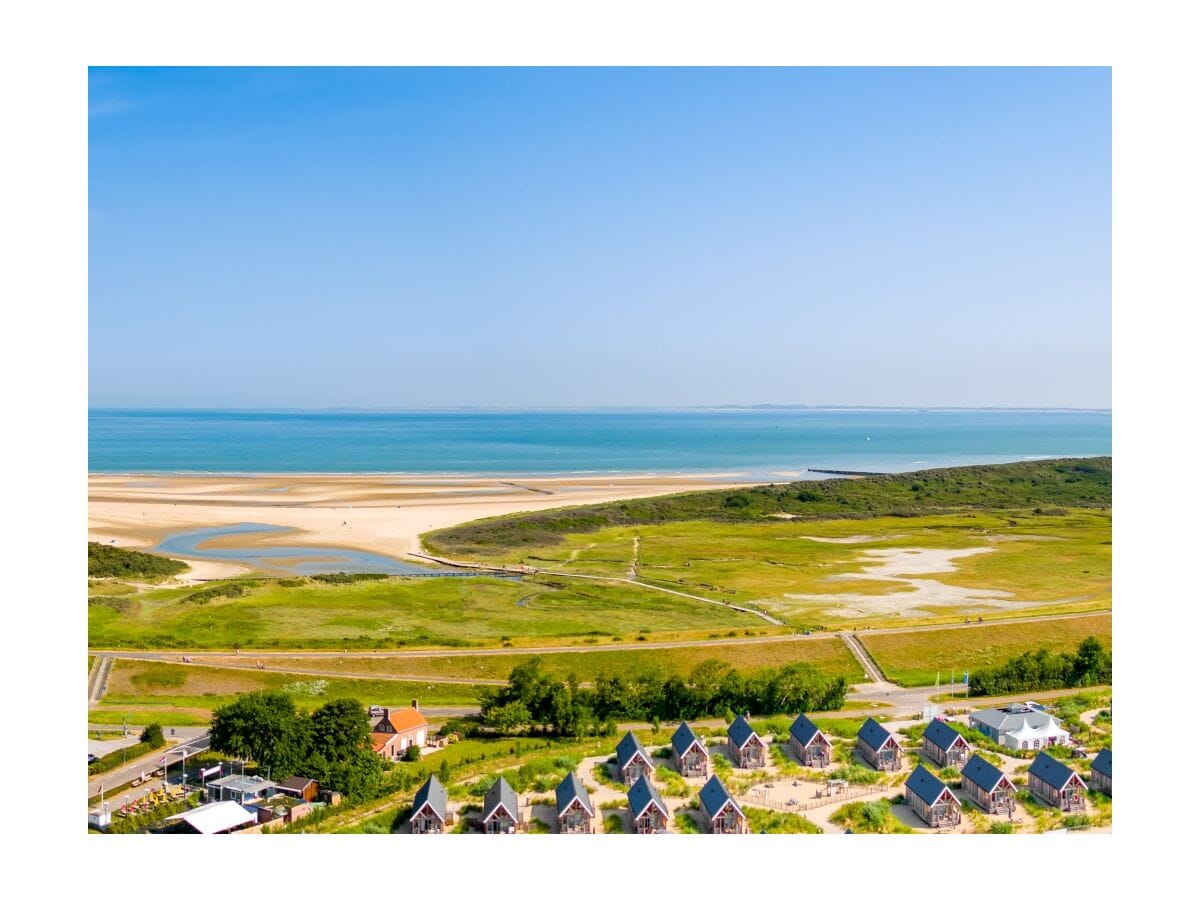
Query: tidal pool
[[296, 559]]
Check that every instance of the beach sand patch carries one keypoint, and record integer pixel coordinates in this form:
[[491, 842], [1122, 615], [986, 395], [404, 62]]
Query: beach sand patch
[[916, 595]]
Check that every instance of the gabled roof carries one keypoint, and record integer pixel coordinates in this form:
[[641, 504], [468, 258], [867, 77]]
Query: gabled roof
[[433, 793], [1103, 762], [713, 796], [740, 732], [629, 748], [874, 734], [926, 785], [684, 737], [642, 795], [942, 735], [380, 739], [296, 783], [215, 817], [569, 790], [1050, 770], [983, 773], [406, 718], [498, 795], [804, 730]]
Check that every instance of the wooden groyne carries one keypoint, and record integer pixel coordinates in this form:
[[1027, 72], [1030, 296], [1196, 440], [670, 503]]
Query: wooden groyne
[[845, 472]]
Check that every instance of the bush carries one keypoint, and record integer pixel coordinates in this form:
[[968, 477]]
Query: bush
[[152, 736], [613, 825], [1001, 828], [106, 561], [412, 753]]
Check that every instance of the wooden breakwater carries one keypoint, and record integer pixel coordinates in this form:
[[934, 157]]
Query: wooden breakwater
[[845, 472]]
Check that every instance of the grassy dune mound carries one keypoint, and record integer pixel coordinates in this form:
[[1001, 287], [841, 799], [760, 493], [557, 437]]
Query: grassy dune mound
[[1044, 486], [105, 561]]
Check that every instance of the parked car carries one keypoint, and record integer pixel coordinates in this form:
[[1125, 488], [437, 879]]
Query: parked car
[[92, 757]]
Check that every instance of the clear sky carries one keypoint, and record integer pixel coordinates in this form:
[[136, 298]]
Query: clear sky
[[582, 237]]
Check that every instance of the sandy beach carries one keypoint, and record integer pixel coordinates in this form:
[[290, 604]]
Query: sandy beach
[[377, 513]]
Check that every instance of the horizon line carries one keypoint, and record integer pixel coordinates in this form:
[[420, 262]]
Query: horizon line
[[609, 407]]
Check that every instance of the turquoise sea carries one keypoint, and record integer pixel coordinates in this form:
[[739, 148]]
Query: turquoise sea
[[757, 442]]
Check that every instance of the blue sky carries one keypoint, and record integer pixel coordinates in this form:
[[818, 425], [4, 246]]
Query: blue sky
[[576, 237]]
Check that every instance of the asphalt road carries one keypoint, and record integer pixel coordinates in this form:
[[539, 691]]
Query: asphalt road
[[192, 740]]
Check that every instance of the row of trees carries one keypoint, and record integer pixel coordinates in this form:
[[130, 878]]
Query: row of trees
[[534, 698], [331, 745], [1041, 669]]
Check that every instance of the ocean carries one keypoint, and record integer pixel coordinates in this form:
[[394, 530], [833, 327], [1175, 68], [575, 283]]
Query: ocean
[[760, 443]]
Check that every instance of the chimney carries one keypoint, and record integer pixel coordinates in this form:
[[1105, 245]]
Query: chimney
[[416, 704]]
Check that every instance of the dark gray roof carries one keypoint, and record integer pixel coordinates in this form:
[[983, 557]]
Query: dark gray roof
[[874, 734], [683, 738], [740, 731], [628, 748], [982, 773], [569, 789], [804, 730], [642, 794], [713, 796], [500, 794], [941, 734], [1103, 762], [925, 785], [1050, 770], [432, 792]]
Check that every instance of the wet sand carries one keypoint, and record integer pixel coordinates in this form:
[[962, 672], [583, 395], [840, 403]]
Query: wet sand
[[378, 513]]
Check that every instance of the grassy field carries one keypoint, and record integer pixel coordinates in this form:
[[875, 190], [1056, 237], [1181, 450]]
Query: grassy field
[[916, 658], [828, 654], [797, 570], [393, 612], [152, 688]]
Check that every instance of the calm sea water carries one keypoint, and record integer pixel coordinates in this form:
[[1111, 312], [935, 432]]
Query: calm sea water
[[746, 442]]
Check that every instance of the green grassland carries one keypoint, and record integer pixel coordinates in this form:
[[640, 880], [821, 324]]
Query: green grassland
[[1060, 563], [392, 612], [148, 686], [1043, 484], [916, 658], [827, 654]]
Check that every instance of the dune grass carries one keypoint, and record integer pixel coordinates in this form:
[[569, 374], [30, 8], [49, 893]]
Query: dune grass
[[1057, 562], [145, 684], [827, 654], [392, 612], [914, 658]]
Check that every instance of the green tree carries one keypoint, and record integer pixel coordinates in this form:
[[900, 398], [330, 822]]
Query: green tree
[[264, 727], [152, 735]]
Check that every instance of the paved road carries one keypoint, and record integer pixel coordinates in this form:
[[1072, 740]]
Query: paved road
[[192, 740], [855, 646]]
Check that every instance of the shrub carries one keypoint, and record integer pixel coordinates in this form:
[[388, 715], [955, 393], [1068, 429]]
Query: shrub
[[412, 753], [152, 736], [1001, 828]]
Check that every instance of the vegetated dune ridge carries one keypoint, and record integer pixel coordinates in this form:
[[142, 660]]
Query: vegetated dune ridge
[[1043, 486]]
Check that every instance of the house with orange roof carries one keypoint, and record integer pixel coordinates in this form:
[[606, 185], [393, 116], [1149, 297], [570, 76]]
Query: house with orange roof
[[395, 730]]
